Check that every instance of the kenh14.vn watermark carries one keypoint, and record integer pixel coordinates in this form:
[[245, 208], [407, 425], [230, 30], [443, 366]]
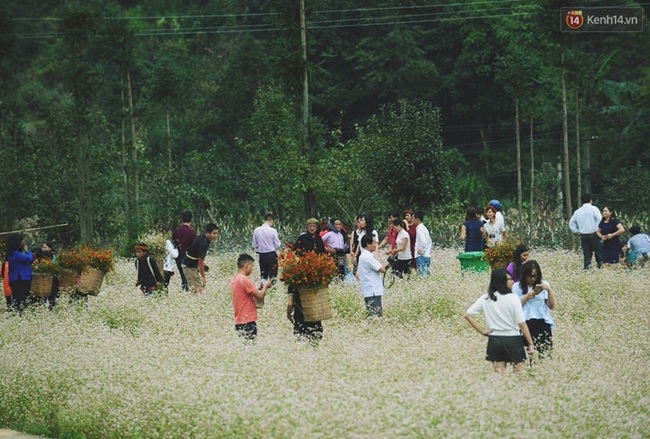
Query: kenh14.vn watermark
[[601, 19]]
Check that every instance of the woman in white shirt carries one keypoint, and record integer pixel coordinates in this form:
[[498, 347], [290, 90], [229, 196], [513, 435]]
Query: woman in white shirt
[[538, 300], [402, 265], [494, 230], [505, 319]]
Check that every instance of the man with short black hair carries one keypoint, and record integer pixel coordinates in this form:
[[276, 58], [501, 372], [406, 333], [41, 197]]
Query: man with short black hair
[[266, 243], [182, 238], [194, 262], [422, 244], [584, 223]]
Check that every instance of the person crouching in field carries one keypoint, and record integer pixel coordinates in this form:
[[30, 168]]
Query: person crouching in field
[[246, 296], [369, 276], [149, 278], [504, 317]]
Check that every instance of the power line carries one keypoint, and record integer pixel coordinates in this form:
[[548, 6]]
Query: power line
[[272, 14], [265, 28]]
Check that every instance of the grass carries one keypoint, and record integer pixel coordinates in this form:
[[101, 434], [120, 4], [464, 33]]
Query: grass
[[127, 366]]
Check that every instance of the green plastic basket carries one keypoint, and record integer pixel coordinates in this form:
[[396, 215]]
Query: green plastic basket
[[473, 261]]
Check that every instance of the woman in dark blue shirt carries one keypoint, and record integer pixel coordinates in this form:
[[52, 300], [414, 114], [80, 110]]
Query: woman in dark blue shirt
[[20, 269], [472, 231]]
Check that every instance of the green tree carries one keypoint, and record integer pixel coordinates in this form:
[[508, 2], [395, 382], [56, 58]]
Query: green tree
[[273, 168], [404, 145]]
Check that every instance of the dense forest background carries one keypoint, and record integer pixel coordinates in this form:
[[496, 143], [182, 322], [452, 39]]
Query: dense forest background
[[117, 116]]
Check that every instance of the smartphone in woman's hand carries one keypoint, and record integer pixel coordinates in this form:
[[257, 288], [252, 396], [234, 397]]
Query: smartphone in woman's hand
[[538, 288]]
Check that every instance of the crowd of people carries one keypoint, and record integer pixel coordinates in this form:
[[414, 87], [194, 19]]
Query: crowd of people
[[600, 233], [517, 305]]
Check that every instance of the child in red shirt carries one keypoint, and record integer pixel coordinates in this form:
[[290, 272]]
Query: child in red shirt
[[246, 297]]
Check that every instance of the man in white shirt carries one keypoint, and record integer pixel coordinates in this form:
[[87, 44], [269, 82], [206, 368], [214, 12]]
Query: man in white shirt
[[422, 245], [584, 223], [370, 270], [265, 243]]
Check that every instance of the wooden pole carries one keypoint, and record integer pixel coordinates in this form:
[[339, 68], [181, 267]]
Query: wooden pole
[[33, 229]]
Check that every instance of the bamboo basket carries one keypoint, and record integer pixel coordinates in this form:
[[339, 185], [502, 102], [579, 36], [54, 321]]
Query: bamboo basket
[[90, 281], [68, 280], [42, 284], [315, 303]]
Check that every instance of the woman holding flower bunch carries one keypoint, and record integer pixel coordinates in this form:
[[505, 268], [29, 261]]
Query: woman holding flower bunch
[[505, 319], [538, 300]]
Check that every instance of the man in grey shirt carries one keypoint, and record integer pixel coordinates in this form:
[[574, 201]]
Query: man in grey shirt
[[584, 223], [640, 243]]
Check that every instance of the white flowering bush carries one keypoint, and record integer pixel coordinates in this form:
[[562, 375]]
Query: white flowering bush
[[127, 366]]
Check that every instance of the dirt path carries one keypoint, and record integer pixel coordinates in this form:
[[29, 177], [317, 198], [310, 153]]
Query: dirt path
[[10, 434]]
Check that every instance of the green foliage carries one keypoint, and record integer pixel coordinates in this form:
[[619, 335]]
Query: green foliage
[[404, 145], [215, 90], [273, 167], [128, 320], [342, 181]]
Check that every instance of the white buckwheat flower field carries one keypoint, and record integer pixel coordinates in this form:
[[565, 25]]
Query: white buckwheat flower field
[[121, 365]]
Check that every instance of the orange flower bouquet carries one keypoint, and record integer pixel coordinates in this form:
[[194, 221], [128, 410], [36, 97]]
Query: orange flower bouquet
[[306, 269], [83, 256], [501, 253], [71, 259], [45, 266]]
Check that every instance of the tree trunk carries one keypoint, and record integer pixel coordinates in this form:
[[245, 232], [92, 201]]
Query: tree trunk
[[134, 154], [532, 173], [520, 205], [130, 233], [578, 160], [169, 142], [565, 155], [486, 148], [308, 195], [86, 228]]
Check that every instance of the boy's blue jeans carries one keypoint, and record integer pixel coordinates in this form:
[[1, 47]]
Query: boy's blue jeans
[[423, 264]]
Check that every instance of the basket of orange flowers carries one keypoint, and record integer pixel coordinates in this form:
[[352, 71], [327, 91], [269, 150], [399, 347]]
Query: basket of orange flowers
[[83, 269], [501, 253], [43, 272], [98, 262], [311, 274]]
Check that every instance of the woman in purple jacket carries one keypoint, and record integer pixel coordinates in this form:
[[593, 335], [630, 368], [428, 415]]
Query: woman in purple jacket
[[20, 270]]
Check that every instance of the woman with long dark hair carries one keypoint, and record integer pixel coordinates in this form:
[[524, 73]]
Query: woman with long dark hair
[[20, 270], [505, 319], [520, 256], [472, 231], [366, 225], [538, 300]]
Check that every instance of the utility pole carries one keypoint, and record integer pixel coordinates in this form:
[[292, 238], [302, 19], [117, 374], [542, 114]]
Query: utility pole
[[306, 153]]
